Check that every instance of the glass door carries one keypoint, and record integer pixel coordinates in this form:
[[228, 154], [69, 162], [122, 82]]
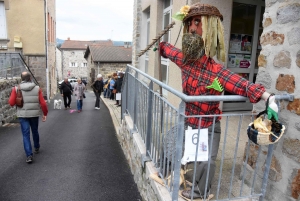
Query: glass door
[[246, 28]]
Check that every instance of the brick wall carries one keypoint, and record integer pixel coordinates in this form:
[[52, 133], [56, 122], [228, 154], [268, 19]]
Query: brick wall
[[279, 63]]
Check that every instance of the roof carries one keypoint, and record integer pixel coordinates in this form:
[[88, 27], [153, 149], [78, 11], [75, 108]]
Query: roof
[[121, 43], [82, 45], [109, 53]]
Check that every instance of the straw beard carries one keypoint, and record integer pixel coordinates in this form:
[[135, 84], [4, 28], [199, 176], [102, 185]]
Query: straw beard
[[192, 47]]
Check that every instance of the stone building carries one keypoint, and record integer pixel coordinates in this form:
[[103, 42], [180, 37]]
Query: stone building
[[73, 61], [272, 28], [107, 60], [29, 28]]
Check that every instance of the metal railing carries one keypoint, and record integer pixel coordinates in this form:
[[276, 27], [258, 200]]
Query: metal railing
[[161, 126], [12, 65]]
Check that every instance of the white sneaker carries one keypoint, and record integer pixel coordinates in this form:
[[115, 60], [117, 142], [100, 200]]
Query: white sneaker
[[97, 108]]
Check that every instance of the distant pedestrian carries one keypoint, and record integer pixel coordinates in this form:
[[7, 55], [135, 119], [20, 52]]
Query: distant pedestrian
[[66, 92], [106, 85], [28, 115], [79, 92], [98, 88], [111, 88], [84, 82], [118, 86]]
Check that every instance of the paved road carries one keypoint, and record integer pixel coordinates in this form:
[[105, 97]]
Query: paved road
[[80, 159]]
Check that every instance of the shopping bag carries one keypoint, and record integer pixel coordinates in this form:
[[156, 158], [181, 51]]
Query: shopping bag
[[118, 96]]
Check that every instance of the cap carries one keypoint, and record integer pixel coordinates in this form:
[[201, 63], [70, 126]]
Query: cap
[[99, 75], [203, 9]]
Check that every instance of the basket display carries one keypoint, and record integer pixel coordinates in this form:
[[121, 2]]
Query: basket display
[[261, 138]]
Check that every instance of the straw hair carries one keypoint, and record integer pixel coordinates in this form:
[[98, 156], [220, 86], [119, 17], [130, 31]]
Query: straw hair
[[212, 29], [213, 36]]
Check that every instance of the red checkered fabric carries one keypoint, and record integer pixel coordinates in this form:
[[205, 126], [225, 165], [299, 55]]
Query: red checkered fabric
[[197, 75]]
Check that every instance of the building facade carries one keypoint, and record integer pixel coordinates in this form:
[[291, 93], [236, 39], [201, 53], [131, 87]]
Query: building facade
[[30, 28], [73, 62], [262, 44], [107, 60]]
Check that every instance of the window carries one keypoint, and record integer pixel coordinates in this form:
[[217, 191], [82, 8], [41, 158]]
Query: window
[[84, 65], [148, 30], [3, 31], [164, 73], [146, 65], [167, 18], [73, 64]]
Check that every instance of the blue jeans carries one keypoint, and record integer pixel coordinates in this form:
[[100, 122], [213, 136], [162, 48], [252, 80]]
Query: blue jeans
[[79, 104], [26, 124], [104, 93]]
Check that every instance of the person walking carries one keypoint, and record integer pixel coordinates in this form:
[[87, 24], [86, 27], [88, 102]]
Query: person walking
[[28, 115], [79, 92], [66, 92], [118, 87], [198, 71], [98, 88]]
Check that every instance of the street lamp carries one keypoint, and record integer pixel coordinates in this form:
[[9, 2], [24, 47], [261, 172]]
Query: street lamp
[[98, 67]]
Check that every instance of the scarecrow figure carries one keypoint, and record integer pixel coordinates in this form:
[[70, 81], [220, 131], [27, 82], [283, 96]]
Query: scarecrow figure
[[203, 38]]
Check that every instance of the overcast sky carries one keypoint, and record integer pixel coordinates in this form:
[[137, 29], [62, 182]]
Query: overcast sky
[[94, 19]]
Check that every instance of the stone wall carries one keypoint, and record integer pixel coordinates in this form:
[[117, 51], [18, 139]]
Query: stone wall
[[107, 69], [134, 149], [76, 56], [37, 65], [137, 20], [7, 113], [279, 66]]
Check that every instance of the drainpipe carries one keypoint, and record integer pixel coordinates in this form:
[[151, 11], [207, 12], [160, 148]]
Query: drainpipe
[[46, 48]]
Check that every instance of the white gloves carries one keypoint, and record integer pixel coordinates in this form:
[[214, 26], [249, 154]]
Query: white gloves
[[272, 108]]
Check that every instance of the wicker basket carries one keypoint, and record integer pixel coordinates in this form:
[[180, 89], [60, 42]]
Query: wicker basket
[[265, 138]]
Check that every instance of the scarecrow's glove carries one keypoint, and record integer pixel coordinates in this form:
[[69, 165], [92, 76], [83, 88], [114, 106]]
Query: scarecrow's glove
[[272, 108]]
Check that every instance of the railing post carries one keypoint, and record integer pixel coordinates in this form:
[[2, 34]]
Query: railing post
[[179, 142], [149, 119], [266, 172], [124, 102], [135, 99]]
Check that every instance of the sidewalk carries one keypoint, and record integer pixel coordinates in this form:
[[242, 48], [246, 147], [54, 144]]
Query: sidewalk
[[115, 111]]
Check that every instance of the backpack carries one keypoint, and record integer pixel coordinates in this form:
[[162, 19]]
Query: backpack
[[19, 99]]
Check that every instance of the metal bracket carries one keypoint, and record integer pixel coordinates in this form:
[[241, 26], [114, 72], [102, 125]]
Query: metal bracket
[[145, 159]]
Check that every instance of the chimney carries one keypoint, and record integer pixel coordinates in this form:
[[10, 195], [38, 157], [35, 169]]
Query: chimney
[[126, 44], [68, 38]]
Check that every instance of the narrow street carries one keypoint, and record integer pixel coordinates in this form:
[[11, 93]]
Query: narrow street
[[80, 159]]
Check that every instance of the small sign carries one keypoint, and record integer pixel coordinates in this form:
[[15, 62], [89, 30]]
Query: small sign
[[191, 140]]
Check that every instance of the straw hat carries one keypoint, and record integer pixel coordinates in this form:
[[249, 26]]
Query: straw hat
[[202, 9]]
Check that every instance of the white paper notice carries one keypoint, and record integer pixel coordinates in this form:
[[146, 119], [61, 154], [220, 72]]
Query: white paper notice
[[191, 138]]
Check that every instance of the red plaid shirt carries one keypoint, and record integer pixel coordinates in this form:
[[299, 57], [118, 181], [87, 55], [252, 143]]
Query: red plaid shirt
[[196, 76]]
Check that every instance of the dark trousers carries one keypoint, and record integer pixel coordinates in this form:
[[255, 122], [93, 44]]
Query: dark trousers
[[97, 103], [112, 95], [67, 102]]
